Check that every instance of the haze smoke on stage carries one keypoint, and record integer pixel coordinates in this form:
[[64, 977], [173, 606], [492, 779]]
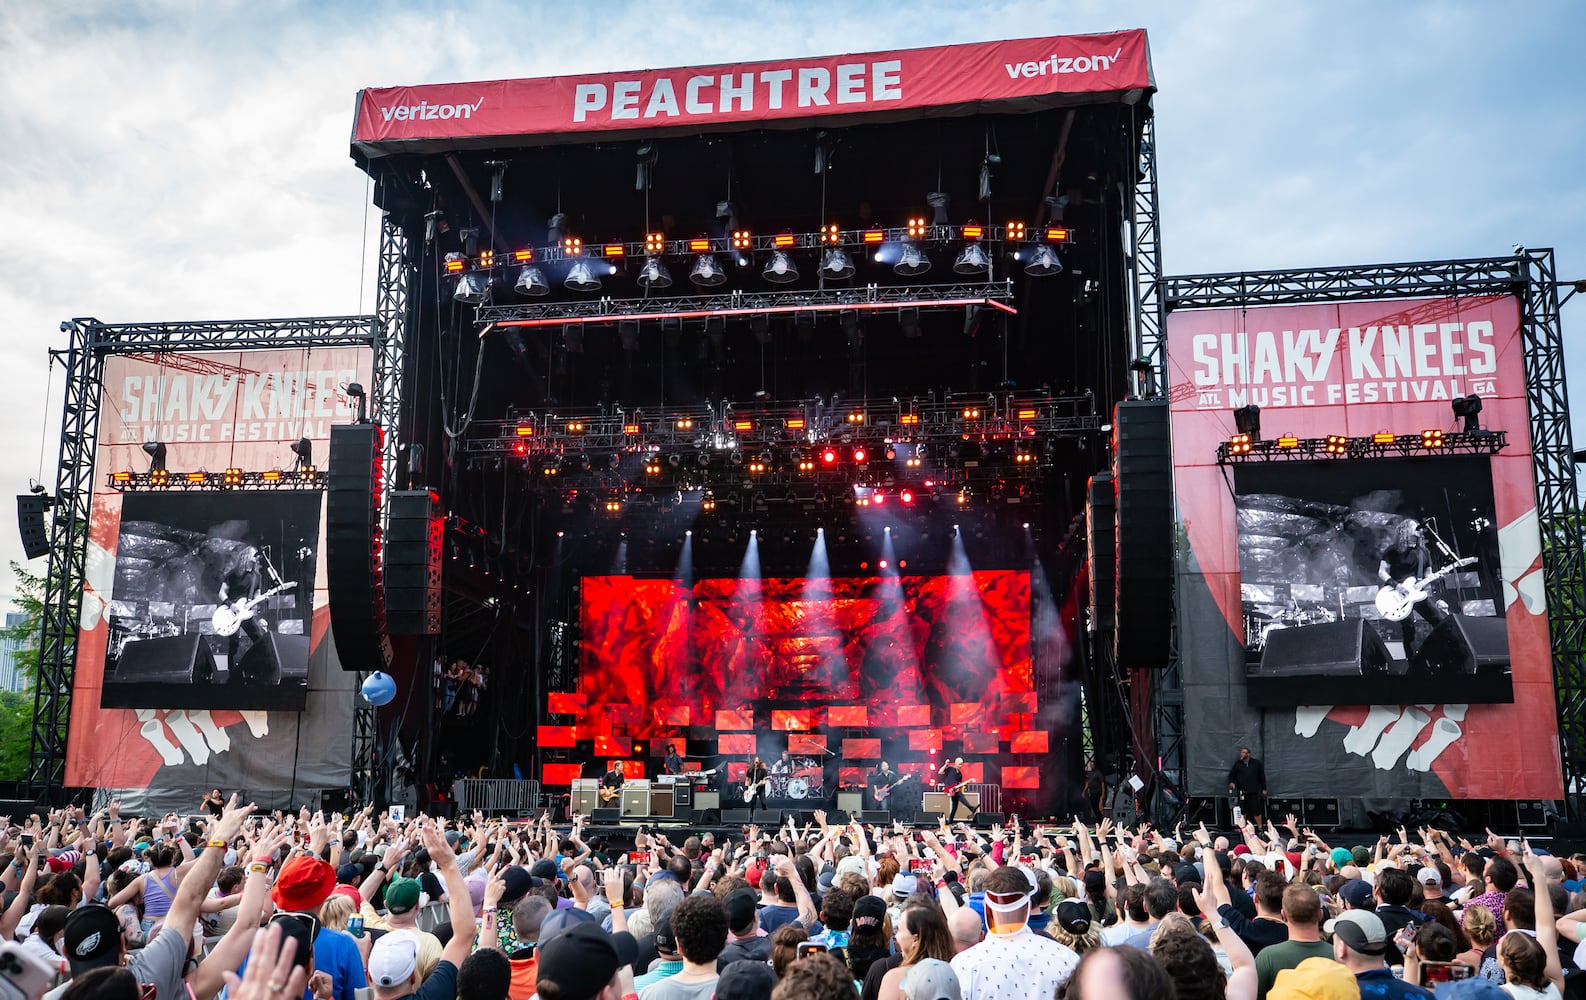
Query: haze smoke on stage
[[684, 573], [619, 560], [820, 566]]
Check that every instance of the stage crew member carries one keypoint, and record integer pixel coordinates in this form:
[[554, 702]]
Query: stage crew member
[[952, 774], [1248, 780], [754, 784], [674, 762]]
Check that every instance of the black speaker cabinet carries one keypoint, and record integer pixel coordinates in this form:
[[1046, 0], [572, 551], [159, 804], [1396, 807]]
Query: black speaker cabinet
[[1101, 512], [606, 816], [1332, 649], [353, 570], [30, 522], [1461, 646], [177, 659], [737, 817], [1142, 472]]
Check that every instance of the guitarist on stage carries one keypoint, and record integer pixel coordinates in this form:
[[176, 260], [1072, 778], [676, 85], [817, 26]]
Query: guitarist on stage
[[952, 774], [754, 784], [243, 580], [611, 784], [1407, 558]]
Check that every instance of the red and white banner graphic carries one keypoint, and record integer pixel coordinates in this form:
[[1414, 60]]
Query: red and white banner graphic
[[1026, 72]]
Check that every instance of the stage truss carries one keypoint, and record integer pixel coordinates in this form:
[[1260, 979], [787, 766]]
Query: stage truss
[[89, 343], [1529, 275]]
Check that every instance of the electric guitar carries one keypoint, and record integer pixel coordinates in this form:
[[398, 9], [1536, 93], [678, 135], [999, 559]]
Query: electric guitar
[[228, 618], [750, 790], [884, 791], [609, 794], [1395, 601]]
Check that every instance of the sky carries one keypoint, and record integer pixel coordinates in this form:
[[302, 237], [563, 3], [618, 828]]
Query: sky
[[167, 160]]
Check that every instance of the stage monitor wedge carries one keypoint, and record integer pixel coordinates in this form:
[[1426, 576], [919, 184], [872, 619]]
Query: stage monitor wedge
[[1143, 543], [353, 570]]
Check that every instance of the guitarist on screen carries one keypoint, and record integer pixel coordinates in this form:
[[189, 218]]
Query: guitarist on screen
[[1407, 559], [611, 783], [952, 774], [754, 783], [242, 581]]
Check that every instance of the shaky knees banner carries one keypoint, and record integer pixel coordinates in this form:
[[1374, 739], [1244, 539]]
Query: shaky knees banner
[[1285, 565]]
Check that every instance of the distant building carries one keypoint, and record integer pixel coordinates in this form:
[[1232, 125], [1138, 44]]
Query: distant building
[[11, 678]]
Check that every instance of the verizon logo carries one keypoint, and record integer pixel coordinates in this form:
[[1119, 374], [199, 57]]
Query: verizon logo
[[1055, 64], [425, 111]]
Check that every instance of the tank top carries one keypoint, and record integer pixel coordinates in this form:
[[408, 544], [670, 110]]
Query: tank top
[[157, 893]]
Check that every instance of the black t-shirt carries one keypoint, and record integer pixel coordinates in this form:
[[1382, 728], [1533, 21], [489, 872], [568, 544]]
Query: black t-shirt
[[1406, 560], [441, 984], [613, 779], [952, 776], [756, 773], [1248, 776], [755, 949]]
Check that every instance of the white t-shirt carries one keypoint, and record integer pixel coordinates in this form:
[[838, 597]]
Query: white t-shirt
[[1022, 966], [1529, 993]]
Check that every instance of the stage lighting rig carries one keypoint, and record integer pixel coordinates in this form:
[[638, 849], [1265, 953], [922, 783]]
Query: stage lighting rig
[[1468, 409], [156, 451]]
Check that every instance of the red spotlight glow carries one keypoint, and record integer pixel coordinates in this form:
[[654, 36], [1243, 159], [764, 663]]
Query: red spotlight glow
[[906, 496], [829, 456], [860, 455], [878, 498], [521, 448], [882, 564]]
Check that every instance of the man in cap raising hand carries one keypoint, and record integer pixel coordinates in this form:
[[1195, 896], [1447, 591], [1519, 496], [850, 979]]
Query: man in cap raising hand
[[393, 961]]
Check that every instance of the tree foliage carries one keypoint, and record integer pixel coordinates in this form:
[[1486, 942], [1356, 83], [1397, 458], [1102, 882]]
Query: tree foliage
[[16, 710]]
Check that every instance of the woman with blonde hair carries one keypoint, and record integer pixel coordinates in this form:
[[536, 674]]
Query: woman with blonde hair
[[1481, 928], [921, 933], [1075, 927]]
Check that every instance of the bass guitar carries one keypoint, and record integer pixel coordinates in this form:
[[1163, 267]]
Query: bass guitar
[[1395, 601], [750, 790], [886, 790], [610, 794], [228, 618]]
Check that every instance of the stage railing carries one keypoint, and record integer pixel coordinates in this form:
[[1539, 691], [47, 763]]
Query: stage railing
[[990, 795], [494, 796]]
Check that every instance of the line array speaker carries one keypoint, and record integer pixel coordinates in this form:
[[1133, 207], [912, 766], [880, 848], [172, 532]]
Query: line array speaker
[[1142, 472], [1101, 512], [30, 522], [353, 577], [413, 563]]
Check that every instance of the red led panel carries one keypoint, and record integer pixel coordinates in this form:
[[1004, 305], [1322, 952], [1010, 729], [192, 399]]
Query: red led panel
[[1019, 703], [925, 739], [980, 743], [623, 715], [735, 774], [590, 730], [850, 775], [613, 746], [847, 715], [678, 715], [964, 713], [557, 736], [913, 716], [1029, 742], [633, 770], [558, 774], [862, 749], [974, 770], [659, 744], [795, 718], [565, 702], [1021, 777], [728, 719], [735, 743], [806, 743]]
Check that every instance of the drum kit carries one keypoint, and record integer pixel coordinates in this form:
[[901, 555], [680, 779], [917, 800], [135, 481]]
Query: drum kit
[[806, 779], [124, 632], [1258, 625]]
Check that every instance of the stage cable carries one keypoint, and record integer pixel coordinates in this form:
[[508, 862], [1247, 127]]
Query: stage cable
[[44, 428], [363, 256]]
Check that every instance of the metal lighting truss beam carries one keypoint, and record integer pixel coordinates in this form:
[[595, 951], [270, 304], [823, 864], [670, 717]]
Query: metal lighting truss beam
[[89, 343], [1530, 276], [870, 298], [1339, 447], [1145, 231]]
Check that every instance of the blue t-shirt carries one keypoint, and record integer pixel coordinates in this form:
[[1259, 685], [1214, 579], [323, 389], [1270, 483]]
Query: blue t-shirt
[[336, 952], [1380, 984]]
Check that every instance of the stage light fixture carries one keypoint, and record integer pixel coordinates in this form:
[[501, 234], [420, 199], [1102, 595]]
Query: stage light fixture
[[1468, 409], [909, 320], [232, 477], [1337, 444], [654, 273], [831, 234], [1432, 439], [455, 263], [912, 262], [1383, 437], [581, 277], [836, 264], [1288, 441], [525, 430], [707, 272], [472, 288], [654, 243], [916, 228], [972, 260], [1043, 261], [906, 496], [1239, 444], [303, 449], [1015, 231], [523, 256], [742, 239], [780, 269], [531, 281], [1248, 420], [829, 456], [156, 451], [685, 423], [707, 502], [861, 456]]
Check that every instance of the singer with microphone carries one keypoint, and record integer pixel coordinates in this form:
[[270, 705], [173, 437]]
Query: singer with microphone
[[1407, 566]]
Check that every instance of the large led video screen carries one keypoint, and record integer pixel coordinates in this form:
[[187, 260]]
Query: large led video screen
[[211, 602], [895, 651], [1371, 582]]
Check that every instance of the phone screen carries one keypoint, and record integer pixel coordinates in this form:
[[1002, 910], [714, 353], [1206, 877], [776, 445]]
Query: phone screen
[[917, 865], [810, 948], [1444, 972]]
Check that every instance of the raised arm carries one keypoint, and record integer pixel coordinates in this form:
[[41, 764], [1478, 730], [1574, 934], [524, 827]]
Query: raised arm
[[1546, 926], [459, 906], [230, 950], [184, 908]]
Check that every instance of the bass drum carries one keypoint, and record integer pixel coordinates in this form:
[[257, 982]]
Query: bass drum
[[798, 788]]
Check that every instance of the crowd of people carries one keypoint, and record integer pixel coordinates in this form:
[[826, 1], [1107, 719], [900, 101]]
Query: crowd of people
[[367, 907]]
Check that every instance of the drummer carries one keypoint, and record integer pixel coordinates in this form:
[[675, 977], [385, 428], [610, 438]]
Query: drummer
[[783, 764]]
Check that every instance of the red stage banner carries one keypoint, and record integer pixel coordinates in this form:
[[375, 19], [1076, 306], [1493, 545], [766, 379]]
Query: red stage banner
[[1016, 75]]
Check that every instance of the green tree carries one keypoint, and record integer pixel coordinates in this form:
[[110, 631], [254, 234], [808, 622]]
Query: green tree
[[16, 710]]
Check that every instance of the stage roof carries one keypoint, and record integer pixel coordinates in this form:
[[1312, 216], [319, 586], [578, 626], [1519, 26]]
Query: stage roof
[[1011, 76]]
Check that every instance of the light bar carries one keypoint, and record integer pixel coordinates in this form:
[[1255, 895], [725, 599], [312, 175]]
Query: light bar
[[630, 428], [743, 426], [874, 235], [1288, 441], [1382, 444], [699, 245], [523, 256], [916, 227], [909, 419], [1028, 413], [231, 478], [831, 234], [1015, 230], [525, 430], [974, 232], [614, 250], [456, 263], [573, 246], [1382, 437], [1056, 234], [781, 240], [795, 423]]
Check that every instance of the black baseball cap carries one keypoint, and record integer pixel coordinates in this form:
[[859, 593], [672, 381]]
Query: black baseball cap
[[92, 938], [582, 960]]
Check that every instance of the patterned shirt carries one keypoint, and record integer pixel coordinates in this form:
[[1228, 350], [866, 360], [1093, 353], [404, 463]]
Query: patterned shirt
[[1022, 966], [1492, 901]]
